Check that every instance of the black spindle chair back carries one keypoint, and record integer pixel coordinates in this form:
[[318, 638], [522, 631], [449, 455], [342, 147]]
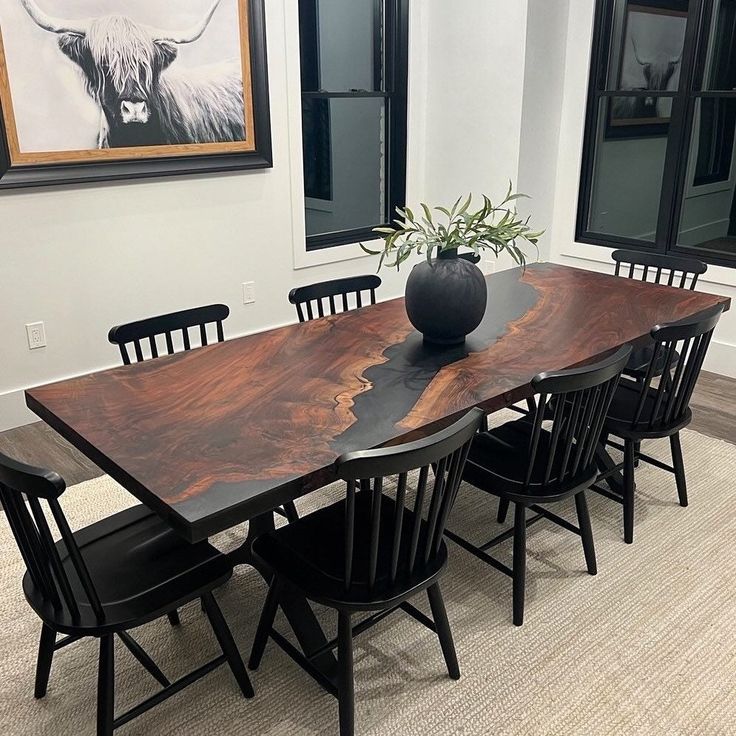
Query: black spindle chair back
[[333, 297], [154, 336], [22, 491], [682, 346], [388, 550], [659, 269], [576, 402]]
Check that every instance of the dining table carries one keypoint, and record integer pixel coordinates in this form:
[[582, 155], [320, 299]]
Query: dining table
[[224, 434]]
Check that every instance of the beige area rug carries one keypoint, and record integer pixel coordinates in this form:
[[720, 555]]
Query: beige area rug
[[646, 647]]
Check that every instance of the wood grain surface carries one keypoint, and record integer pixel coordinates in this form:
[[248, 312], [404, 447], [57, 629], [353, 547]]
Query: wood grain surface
[[215, 436]]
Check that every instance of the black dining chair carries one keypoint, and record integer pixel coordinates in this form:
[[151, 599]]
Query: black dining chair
[[333, 297], [154, 336], [658, 406], [369, 552], [654, 268], [659, 269], [531, 466], [107, 578]]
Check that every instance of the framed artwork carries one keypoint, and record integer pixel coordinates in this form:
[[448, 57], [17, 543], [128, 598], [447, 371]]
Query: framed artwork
[[651, 40], [98, 90]]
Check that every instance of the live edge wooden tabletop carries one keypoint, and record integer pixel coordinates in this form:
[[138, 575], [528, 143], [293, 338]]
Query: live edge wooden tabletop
[[215, 436]]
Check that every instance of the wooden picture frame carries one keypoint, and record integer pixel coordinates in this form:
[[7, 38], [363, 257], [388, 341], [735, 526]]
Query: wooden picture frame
[[640, 114], [153, 122]]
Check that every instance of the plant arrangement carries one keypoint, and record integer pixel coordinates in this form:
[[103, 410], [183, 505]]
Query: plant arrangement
[[497, 228]]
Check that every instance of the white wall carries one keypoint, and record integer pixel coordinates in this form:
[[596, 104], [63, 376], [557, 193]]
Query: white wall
[[475, 79], [544, 76], [719, 280]]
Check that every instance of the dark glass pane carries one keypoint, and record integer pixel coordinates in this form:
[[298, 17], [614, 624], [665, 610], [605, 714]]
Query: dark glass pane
[[708, 218], [317, 148], [647, 44], [629, 156], [721, 60], [715, 125], [341, 45], [343, 163]]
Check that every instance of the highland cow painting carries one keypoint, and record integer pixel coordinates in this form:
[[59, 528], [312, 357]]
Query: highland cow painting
[[84, 82], [650, 59]]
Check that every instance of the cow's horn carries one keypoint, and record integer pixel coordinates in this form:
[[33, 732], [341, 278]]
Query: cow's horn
[[189, 35], [55, 25], [636, 52]]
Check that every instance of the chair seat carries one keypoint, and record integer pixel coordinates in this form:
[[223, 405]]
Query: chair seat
[[623, 410], [141, 570], [310, 554], [499, 460], [638, 364]]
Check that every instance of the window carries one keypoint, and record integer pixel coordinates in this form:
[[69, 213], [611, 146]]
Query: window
[[354, 80], [659, 163]]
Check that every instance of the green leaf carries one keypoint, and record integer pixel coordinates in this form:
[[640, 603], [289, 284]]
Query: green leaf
[[427, 213], [466, 205]]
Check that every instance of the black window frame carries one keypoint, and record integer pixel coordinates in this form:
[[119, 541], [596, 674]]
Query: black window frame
[[684, 103], [392, 52]]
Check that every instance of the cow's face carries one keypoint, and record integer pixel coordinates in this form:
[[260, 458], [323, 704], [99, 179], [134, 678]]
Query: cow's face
[[658, 75], [122, 65]]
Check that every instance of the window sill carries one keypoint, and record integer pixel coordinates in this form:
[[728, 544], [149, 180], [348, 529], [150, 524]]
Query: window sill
[[308, 259]]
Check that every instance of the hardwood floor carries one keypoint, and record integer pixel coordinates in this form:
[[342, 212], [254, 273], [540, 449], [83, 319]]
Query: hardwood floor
[[38, 444], [713, 405]]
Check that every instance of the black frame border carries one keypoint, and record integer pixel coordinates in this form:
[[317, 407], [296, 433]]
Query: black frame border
[[25, 176]]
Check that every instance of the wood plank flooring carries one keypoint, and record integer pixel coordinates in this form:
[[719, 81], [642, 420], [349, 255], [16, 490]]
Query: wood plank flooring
[[713, 404]]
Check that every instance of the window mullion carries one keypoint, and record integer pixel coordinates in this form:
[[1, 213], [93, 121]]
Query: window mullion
[[678, 146]]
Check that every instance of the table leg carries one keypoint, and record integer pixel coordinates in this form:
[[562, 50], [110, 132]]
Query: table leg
[[605, 462], [295, 606]]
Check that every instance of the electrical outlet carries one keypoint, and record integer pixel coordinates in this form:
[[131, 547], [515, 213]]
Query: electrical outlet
[[249, 292], [36, 334]]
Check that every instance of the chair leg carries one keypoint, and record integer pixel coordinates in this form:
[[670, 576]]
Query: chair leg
[[439, 614], [503, 507], [265, 624], [519, 571], [291, 513], [637, 450], [106, 686], [586, 532], [227, 644], [174, 619], [345, 684], [45, 657], [629, 491], [679, 466]]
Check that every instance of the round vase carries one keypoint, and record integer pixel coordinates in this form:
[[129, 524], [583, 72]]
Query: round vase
[[446, 298]]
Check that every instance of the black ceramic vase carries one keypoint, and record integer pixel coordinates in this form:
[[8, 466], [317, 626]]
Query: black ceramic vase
[[446, 298]]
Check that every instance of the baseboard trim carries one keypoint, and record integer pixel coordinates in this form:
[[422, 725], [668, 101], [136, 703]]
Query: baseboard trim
[[13, 410], [721, 358]]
